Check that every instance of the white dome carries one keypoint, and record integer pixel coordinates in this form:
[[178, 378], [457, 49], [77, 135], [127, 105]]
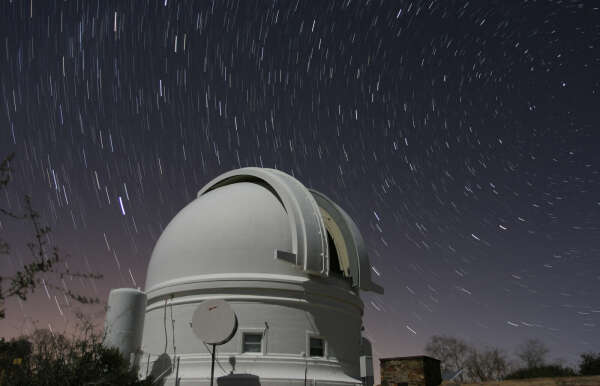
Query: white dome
[[253, 222], [232, 229]]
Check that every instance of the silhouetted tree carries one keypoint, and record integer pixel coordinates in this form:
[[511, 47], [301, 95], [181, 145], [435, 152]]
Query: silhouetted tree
[[533, 353], [489, 364], [452, 353], [45, 259], [45, 358], [590, 364]]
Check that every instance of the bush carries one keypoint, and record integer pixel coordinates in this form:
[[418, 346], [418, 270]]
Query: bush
[[14, 356], [542, 372], [53, 359], [590, 364]]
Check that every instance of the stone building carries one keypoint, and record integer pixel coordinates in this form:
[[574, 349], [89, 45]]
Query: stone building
[[410, 371]]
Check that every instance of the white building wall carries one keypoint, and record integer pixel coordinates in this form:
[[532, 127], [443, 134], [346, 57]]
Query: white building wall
[[291, 316]]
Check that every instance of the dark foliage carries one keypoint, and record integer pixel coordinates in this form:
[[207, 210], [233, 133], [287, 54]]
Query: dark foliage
[[48, 359], [590, 364], [542, 372]]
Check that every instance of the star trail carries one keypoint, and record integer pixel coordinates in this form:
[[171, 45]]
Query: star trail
[[462, 136]]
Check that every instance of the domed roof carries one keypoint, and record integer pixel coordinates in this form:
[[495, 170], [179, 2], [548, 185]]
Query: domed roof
[[234, 228], [258, 221]]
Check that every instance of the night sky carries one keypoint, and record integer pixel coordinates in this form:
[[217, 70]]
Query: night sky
[[462, 136]]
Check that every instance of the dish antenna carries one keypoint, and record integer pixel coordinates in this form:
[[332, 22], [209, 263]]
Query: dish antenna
[[215, 323]]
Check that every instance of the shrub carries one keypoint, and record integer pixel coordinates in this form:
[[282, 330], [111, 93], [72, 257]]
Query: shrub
[[53, 359], [541, 372], [590, 364]]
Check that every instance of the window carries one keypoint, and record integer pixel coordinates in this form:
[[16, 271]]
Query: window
[[317, 347], [252, 342]]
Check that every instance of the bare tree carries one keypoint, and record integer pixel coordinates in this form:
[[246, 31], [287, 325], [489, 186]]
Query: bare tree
[[489, 364], [45, 259], [533, 353], [452, 353]]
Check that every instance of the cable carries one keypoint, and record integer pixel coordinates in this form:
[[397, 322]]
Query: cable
[[305, 368], [173, 327], [216, 359], [165, 325], [265, 337]]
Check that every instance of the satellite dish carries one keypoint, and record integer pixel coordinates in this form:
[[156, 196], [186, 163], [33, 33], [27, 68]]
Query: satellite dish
[[214, 322]]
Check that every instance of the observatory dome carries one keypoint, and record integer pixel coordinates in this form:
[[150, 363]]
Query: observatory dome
[[233, 228], [256, 221], [287, 260]]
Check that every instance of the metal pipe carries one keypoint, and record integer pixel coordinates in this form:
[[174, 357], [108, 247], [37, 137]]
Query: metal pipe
[[212, 366], [177, 373], [147, 365]]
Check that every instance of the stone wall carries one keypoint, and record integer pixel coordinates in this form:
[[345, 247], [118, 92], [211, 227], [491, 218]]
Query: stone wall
[[410, 371]]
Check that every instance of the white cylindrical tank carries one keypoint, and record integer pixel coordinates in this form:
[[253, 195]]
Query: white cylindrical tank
[[124, 323], [366, 362]]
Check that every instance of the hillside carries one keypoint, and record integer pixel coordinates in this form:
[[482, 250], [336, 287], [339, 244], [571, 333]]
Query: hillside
[[559, 381]]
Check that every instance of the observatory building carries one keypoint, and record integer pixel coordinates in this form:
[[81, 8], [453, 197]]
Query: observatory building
[[288, 260]]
